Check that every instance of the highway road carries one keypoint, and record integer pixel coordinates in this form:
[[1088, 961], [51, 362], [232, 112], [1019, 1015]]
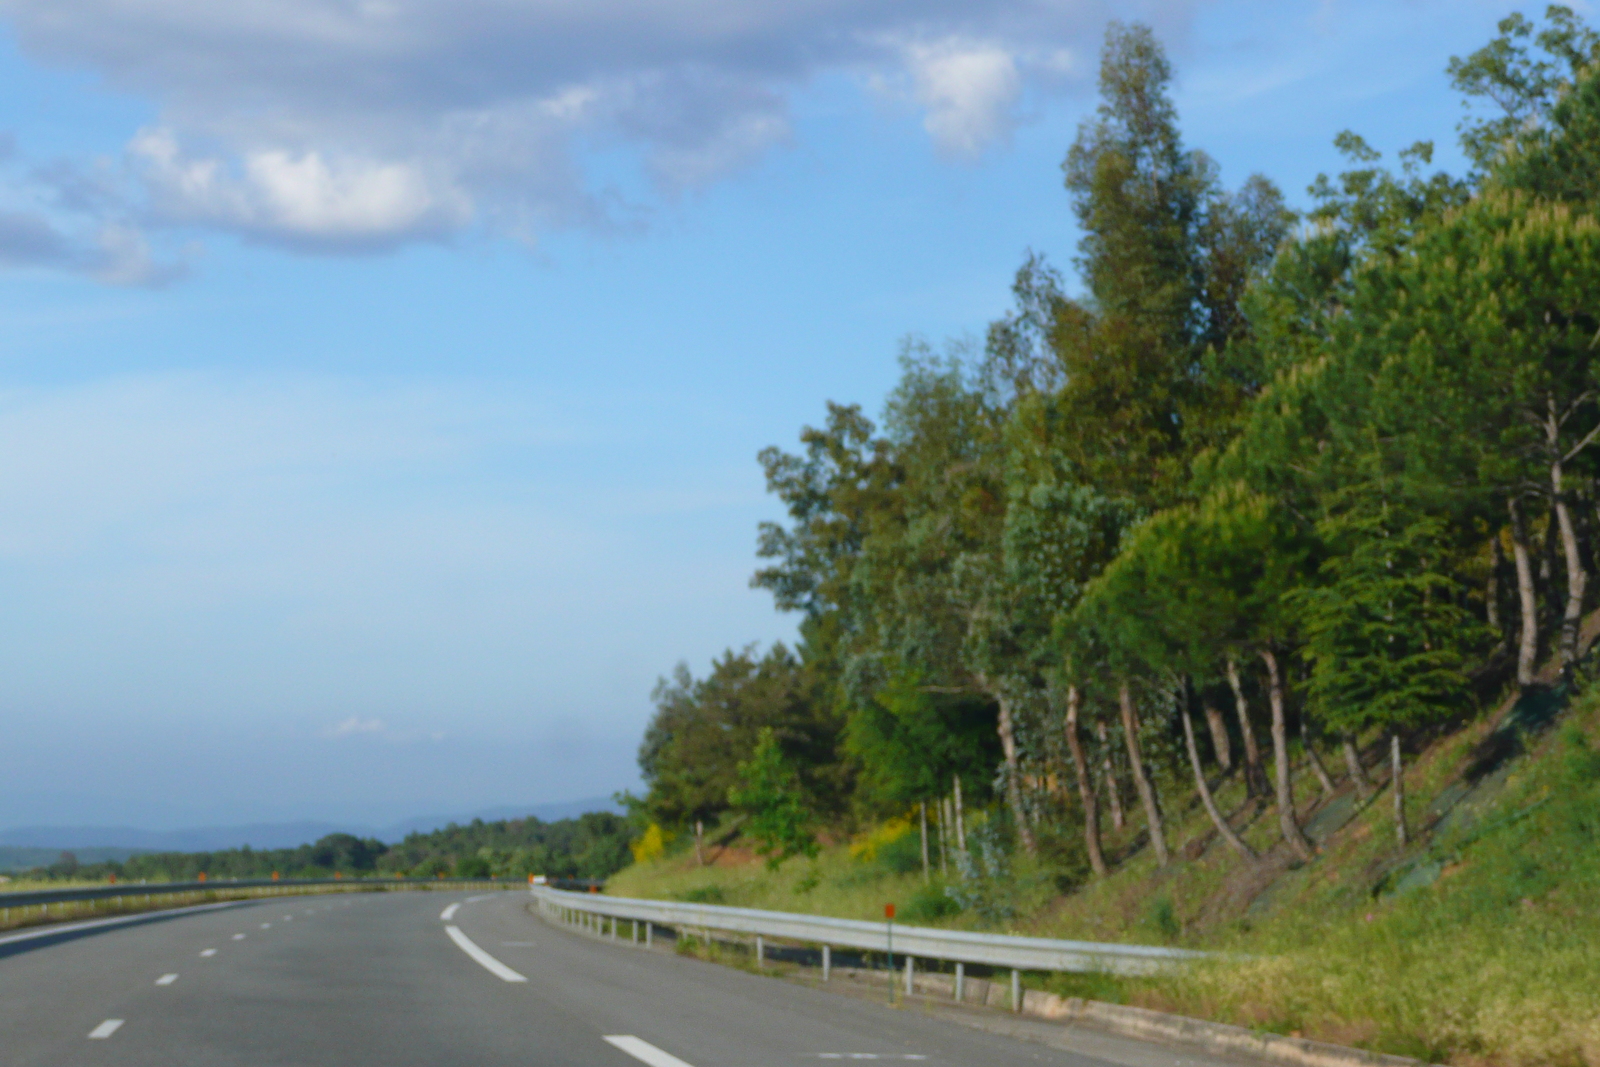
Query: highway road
[[413, 979]]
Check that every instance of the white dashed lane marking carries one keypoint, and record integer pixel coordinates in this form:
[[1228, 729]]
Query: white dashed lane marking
[[166, 979], [209, 952], [105, 1029], [482, 958], [644, 1051], [449, 913]]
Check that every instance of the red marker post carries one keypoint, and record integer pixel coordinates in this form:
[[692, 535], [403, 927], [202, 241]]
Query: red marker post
[[888, 918]]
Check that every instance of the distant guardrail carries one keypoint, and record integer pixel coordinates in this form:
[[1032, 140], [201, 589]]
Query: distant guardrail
[[36, 897], [912, 942]]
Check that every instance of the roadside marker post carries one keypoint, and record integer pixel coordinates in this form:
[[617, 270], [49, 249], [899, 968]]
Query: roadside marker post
[[888, 918]]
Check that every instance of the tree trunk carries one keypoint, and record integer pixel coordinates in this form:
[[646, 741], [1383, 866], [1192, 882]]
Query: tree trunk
[[1315, 760], [1141, 782], [1280, 760], [927, 870], [1253, 776], [1352, 760], [1491, 592], [1398, 784], [1080, 769], [1219, 736], [1527, 598], [944, 835], [961, 826], [1234, 840], [1008, 746], [1577, 574], [1109, 773]]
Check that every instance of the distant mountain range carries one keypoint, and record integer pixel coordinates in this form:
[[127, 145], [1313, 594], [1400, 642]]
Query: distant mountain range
[[31, 846]]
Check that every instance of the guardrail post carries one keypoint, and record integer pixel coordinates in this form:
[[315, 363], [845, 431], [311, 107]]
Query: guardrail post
[[827, 961], [1016, 990], [649, 928], [911, 981], [761, 950], [636, 931], [961, 982]]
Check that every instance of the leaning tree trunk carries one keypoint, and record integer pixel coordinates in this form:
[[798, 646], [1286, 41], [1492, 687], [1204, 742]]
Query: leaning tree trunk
[[1323, 778], [1491, 591], [1113, 790], [1527, 598], [1234, 840], [1008, 746], [1352, 760], [1280, 760], [1253, 776], [1141, 781], [1086, 793], [1398, 778], [961, 825], [1577, 575], [1219, 736], [927, 868]]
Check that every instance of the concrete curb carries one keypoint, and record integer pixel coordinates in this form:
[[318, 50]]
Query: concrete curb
[[1198, 1033], [1143, 1024]]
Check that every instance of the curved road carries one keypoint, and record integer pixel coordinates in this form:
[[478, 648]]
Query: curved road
[[386, 980]]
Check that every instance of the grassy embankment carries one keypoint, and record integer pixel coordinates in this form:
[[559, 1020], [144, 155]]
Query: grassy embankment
[[1479, 944]]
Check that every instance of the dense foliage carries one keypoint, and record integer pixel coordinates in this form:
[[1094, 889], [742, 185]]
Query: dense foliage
[[1332, 471]]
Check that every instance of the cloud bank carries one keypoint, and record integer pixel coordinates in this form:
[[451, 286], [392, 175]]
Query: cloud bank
[[360, 125]]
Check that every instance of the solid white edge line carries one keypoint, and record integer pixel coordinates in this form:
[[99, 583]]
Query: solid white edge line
[[166, 979], [121, 920], [450, 912], [486, 961], [105, 1029], [644, 1051]]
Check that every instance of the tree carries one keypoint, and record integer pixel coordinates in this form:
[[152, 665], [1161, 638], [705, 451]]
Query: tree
[[769, 794], [703, 728], [1538, 108], [1385, 634]]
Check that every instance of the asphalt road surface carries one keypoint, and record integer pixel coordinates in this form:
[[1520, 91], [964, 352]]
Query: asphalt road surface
[[386, 980]]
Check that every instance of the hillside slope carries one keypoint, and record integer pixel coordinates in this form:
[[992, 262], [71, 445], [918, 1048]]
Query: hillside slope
[[1478, 944]]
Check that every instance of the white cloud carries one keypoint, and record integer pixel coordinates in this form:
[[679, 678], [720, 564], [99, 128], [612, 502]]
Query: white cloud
[[360, 124], [354, 725], [968, 90]]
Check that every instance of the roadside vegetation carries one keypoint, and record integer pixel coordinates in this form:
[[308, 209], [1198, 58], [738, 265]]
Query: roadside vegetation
[[591, 846], [1239, 596]]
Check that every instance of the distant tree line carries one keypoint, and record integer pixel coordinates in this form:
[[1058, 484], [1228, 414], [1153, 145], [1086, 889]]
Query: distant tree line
[[1314, 482], [591, 846]]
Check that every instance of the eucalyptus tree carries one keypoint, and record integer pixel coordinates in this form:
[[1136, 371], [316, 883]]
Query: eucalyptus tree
[[1060, 531], [1543, 131]]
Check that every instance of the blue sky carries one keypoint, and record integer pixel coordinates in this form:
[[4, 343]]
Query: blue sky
[[382, 381]]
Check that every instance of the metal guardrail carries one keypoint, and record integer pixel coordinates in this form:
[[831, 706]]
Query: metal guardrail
[[32, 898], [918, 942]]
